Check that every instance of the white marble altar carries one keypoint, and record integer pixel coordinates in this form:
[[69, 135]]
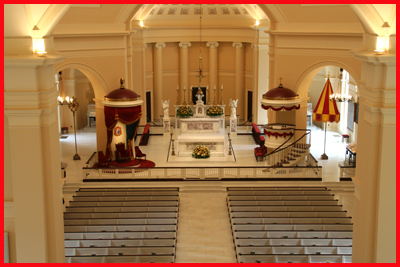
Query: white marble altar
[[201, 126], [215, 143]]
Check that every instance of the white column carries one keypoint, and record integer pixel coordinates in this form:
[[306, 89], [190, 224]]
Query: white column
[[213, 58], [374, 233], [32, 154], [239, 76], [158, 80], [184, 71]]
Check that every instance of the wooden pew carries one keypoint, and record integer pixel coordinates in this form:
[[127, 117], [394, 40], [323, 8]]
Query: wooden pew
[[118, 228]]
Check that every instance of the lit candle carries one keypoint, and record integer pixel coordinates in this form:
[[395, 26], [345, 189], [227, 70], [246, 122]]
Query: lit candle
[[222, 86]]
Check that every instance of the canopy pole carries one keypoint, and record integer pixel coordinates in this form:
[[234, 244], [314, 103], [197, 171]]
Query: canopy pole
[[324, 156]]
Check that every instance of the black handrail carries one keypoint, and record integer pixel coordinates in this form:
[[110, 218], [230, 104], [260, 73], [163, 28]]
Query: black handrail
[[233, 151], [276, 150], [246, 121], [170, 141], [87, 162]]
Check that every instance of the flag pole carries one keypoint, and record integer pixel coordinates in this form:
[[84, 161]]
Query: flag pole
[[324, 156]]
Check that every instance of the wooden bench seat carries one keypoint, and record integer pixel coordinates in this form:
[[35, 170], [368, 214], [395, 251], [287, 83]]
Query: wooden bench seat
[[119, 228], [291, 197], [121, 209], [294, 258], [289, 214], [120, 243], [266, 250], [119, 221], [292, 227], [282, 202], [338, 220], [97, 251], [120, 235], [285, 208], [121, 259], [130, 189], [277, 193], [250, 242], [120, 215], [124, 198], [310, 188], [153, 203], [292, 234], [127, 193]]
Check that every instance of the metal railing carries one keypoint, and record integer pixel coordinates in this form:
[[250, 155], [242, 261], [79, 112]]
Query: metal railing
[[283, 152], [201, 173]]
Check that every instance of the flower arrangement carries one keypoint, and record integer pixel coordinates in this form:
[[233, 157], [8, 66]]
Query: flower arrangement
[[201, 152], [214, 111], [184, 111]]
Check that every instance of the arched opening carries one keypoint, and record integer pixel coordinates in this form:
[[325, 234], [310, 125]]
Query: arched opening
[[309, 87], [94, 88]]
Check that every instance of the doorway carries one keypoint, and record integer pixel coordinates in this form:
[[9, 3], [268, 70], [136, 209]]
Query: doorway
[[249, 106], [148, 106]]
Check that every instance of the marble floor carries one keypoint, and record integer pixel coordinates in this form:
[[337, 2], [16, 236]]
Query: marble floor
[[204, 233]]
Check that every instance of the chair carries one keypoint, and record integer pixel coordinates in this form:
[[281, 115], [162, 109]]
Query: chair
[[103, 160], [122, 153], [139, 153]]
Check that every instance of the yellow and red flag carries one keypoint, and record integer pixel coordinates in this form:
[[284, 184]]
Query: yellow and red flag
[[326, 109]]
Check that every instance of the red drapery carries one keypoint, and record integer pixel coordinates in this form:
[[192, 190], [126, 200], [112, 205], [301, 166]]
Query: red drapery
[[277, 134], [280, 108], [126, 115]]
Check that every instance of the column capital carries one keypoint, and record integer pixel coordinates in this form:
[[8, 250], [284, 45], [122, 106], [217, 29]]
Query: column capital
[[237, 45], [185, 44], [212, 44], [160, 45]]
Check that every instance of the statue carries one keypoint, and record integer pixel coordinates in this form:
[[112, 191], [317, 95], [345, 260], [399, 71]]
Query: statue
[[165, 105], [233, 105], [200, 96]]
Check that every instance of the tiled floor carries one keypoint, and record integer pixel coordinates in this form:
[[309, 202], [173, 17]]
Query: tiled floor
[[204, 233]]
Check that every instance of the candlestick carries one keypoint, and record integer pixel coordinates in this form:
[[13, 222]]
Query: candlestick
[[177, 95], [222, 94], [215, 93], [208, 95], [184, 95]]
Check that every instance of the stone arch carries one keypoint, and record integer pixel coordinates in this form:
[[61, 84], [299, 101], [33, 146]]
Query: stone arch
[[305, 79], [100, 87]]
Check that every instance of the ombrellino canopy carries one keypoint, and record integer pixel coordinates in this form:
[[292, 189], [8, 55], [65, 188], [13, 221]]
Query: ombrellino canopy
[[326, 109]]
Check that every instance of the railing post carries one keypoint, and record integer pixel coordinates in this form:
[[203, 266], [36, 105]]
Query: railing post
[[117, 173], [100, 173], [183, 173], [165, 173], [202, 173], [220, 173]]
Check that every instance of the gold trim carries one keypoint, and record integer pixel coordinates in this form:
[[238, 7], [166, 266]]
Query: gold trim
[[281, 98], [121, 99]]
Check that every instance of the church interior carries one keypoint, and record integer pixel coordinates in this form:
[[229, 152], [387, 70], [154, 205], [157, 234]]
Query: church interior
[[215, 133]]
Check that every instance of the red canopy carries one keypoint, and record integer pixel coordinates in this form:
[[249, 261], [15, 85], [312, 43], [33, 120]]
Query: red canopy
[[326, 109]]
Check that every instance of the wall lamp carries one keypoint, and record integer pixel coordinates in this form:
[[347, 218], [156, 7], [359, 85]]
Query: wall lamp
[[38, 46]]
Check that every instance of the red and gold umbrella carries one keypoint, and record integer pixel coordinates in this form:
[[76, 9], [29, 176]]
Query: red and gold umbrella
[[326, 110]]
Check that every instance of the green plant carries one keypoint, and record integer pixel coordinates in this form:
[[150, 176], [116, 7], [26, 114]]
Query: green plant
[[201, 152]]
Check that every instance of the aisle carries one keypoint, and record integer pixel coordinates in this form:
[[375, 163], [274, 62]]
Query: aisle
[[204, 233]]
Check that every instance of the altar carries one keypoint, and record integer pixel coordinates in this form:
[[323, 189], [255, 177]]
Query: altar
[[205, 131], [186, 143]]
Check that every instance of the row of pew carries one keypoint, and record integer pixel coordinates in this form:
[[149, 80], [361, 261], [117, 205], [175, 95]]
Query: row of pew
[[122, 225], [289, 225]]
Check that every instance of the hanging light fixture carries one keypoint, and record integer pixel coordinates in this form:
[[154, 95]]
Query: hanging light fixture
[[62, 99], [338, 97], [200, 74]]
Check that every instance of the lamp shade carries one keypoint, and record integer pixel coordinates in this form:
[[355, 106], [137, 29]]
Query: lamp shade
[[326, 109]]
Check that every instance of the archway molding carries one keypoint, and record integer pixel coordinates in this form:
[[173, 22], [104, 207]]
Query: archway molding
[[305, 79], [99, 84]]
